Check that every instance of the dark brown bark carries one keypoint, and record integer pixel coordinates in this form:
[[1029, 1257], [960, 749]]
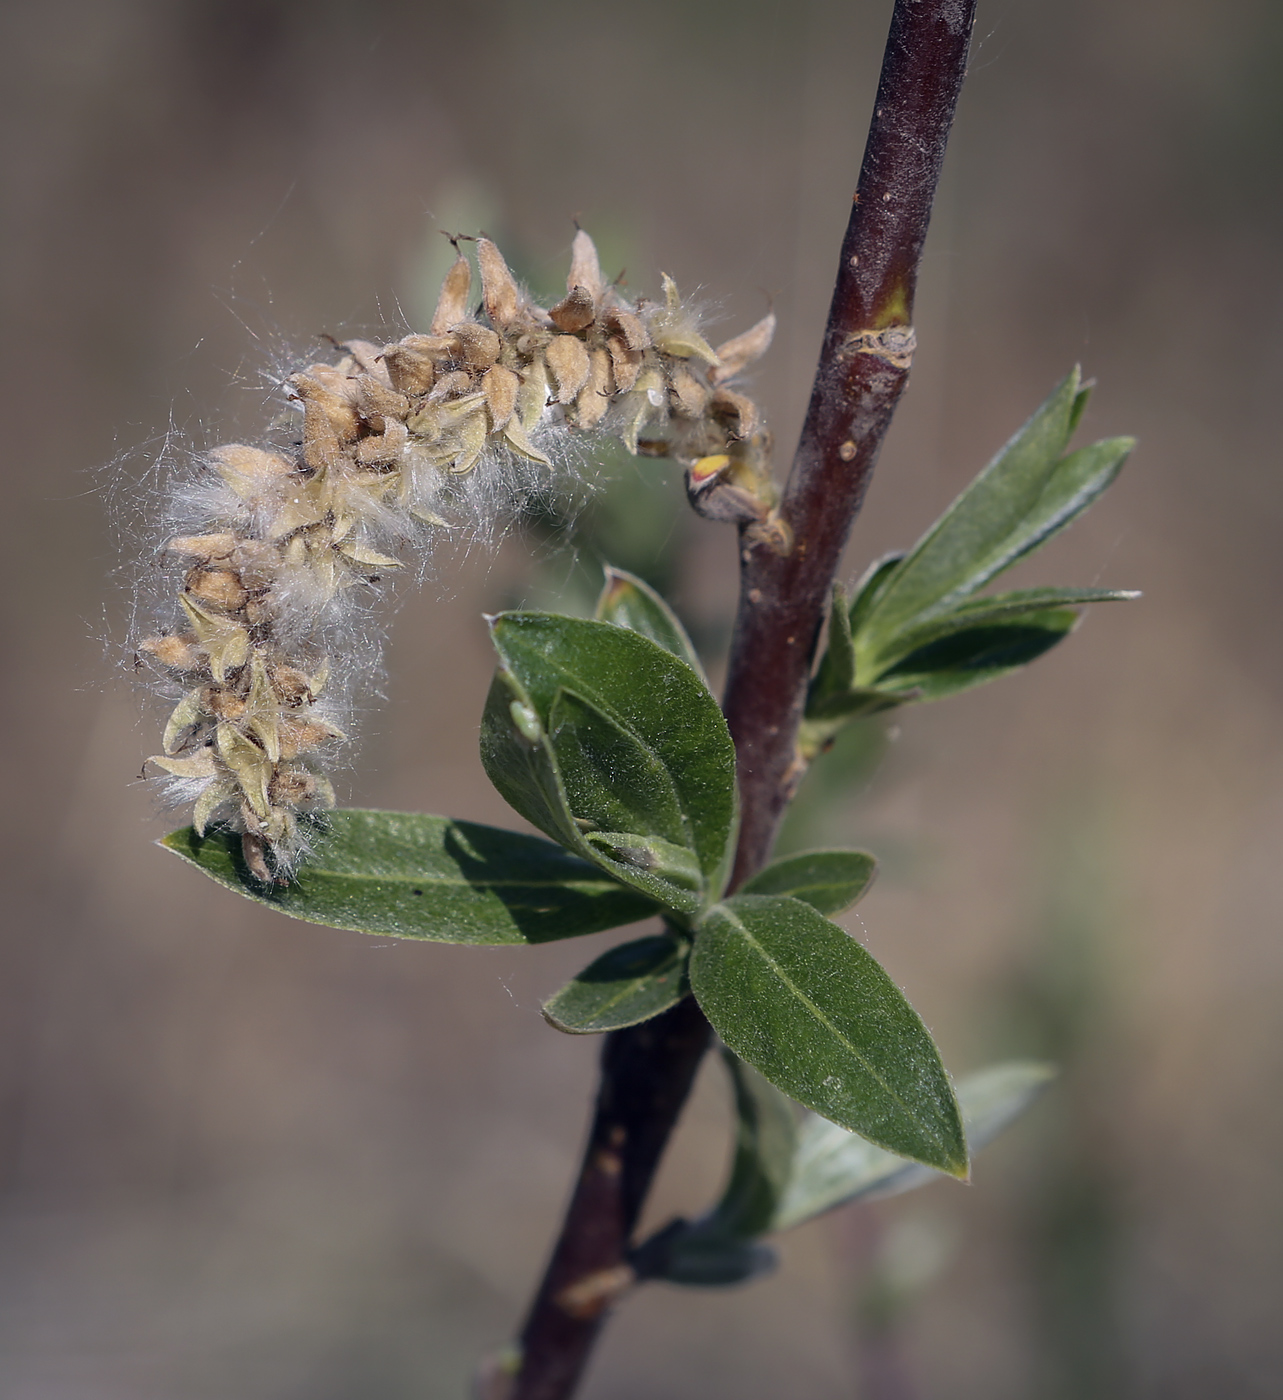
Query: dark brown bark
[[647, 1070]]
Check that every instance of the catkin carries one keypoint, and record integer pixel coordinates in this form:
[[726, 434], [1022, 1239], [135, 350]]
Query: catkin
[[389, 438]]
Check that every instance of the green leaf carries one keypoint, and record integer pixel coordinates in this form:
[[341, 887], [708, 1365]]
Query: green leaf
[[961, 550], [809, 1008], [871, 587], [574, 700], [765, 1137], [627, 601], [627, 985], [835, 676], [417, 876], [687, 1255], [719, 1247], [973, 657], [829, 881], [612, 781], [832, 1166], [1027, 494], [1002, 608]]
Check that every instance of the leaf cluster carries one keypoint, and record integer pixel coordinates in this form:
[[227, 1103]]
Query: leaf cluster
[[915, 628], [604, 735]]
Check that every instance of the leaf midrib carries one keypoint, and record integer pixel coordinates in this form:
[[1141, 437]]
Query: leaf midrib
[[824, 1020]]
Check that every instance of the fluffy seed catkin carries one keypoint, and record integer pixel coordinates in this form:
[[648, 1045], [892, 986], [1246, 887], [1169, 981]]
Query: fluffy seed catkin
[[389, 443]]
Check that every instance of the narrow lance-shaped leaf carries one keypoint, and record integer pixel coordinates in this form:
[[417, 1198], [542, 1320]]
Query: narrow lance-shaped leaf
[[627, 601], [998, 608], [417, 876], [836, 673], [720, 1248], [623, 987], [957, 554], [809, 1008], [829, 881], [976, 655], [832, 1166]]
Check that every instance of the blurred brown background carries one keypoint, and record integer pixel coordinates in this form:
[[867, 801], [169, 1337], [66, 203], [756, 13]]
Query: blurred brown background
[[242, 1159]]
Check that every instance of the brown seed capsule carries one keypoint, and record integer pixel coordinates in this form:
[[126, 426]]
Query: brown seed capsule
[[369, 359], [567, 358], [220, 588], [689, 396], [594, 397], [500, 387], [452, 303], [301, 734], [585, 269], [204, 547], [248, 470], [478, 345], [737, 413], [412, 368], [222, 703], [451, 386], [291, 685], [576, 312], [742, 350], [180, 652], [625, 363], [378, 401], [628, 326], [333, 399], [499, 289]]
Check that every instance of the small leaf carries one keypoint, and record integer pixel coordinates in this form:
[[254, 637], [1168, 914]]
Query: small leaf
[[615, 692], [975, 656], [627, 601], [765, 1138], [623, 987], [829, 881], [835, 676], [871, 587], [960, 551], [1002, 608], [418, 876], [832, 1166], [810, 1009], [688, 1255]]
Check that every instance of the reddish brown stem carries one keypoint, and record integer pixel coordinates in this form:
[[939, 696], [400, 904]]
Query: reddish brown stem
[[864, 364], [647, 1070]]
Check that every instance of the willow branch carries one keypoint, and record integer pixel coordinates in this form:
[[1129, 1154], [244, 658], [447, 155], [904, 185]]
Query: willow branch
[[864, 363]]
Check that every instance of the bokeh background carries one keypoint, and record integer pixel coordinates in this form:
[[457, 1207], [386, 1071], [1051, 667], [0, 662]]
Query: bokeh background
[[243, 1159]]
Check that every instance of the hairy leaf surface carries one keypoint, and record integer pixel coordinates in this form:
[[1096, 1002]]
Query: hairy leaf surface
[[417, 876], [623, 987], [811, 1010]]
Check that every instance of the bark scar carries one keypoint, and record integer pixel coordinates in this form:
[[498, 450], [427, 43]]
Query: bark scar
[[895, 345]]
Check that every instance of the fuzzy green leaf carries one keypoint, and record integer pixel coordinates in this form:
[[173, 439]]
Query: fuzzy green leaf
[[589, 722], [972, 657], [829, 881], [835, 677], [623, 987], [627, 601], [612, 781], [832, 1166], [967, 545], [871, 587], [999, 608], [810, 1009], [417, 876], [719, 1248]]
